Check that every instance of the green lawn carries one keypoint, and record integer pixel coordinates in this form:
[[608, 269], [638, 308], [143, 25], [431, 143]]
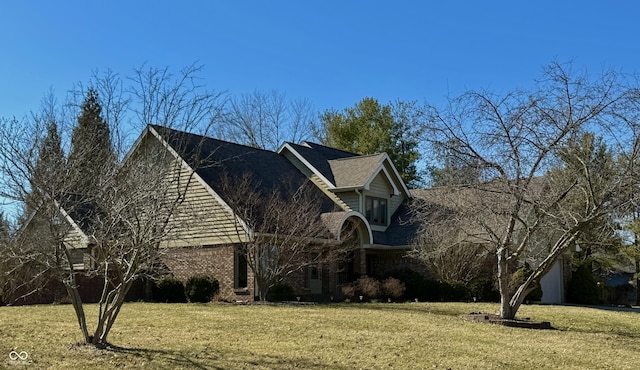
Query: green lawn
[[344, 336]]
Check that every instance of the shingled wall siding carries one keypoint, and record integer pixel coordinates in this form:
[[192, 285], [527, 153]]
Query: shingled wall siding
[[216, 261]]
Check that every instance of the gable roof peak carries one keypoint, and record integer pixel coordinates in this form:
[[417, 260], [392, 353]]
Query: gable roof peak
[[312, 145], [163, 130]]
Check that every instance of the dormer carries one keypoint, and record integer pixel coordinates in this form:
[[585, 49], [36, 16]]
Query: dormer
[[368, 184]]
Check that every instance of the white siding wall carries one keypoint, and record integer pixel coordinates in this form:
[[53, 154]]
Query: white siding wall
[[552, 284]]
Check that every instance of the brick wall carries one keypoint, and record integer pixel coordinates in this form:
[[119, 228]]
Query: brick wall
[[216, 261]]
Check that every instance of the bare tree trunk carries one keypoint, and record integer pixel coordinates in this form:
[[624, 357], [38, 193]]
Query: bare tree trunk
[[77, 307], [504, 278], [72, 289]]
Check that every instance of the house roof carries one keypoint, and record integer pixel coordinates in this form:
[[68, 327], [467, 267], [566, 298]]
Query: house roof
[[212, 159], [82, 214], [401, 231], [355, 171], [318, 157], [342, 170], [215, 161]]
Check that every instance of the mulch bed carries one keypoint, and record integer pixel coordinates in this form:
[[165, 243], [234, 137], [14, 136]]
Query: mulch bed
[[516, 323]]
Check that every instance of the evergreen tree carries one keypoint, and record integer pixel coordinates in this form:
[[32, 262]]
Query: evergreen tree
[[369, 128], [584, 155], [5, 230], [92, 155], [45, 177]]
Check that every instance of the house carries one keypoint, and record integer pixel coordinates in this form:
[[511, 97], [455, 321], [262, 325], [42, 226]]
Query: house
[[366, 192], [362, 193], [69, 221]]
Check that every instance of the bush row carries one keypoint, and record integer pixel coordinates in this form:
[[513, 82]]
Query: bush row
[[424, 289], [367, 288], [199, 288]]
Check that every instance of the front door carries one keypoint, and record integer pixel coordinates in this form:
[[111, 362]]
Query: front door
[[315, 280]]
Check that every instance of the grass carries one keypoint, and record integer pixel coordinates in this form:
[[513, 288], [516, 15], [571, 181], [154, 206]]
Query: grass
[[341, 336]]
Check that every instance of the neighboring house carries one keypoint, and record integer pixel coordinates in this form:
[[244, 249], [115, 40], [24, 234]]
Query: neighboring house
[[71, 222]]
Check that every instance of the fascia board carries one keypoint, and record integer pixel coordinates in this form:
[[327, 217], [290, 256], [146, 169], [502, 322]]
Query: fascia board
[[307, 164], [397, 175], [137, 143], [83, 237]]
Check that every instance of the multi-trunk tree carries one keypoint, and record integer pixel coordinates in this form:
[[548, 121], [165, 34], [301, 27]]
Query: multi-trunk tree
[[122, 202], [540, 189]]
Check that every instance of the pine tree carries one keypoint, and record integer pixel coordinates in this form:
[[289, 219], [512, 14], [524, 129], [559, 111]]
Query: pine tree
[[92, 155], [5, 230], [46, 173], [370, 127]]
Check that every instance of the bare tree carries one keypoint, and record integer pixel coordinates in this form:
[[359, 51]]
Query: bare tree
[[442, 243], [280, 230], [517, 210], [115, 232], [266, 120]]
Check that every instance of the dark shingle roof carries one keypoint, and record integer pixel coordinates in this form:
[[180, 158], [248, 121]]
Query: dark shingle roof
[[213, 159], [319, 156], [402, 230], [83, 212]]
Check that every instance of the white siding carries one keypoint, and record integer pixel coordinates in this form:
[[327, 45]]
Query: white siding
[[552, 284]]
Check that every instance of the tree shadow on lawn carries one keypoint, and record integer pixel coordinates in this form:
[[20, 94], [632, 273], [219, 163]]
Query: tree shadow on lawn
[[172, 358], [215, 359]]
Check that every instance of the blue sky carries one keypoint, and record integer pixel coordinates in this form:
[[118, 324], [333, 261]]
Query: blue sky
[[333, 53]]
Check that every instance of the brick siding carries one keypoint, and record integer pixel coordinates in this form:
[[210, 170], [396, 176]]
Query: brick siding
[[216, 261]]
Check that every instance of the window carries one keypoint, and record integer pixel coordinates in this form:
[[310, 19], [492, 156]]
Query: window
[[376, 211], [240, 270], [77, 258]]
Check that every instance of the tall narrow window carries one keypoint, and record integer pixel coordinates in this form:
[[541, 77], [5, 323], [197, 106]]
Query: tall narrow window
[[376, 211], [240, 269]]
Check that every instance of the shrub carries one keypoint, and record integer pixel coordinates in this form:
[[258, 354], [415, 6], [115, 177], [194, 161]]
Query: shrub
[[583, 288], [169, 290], [349, 291], [281, 292], [201, 288], [393, 288], [415, 284], [454, 292], [369, 287], [484, 290], [519, 277]]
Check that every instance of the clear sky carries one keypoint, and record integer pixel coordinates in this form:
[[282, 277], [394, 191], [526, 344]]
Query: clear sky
[[333, 53]]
